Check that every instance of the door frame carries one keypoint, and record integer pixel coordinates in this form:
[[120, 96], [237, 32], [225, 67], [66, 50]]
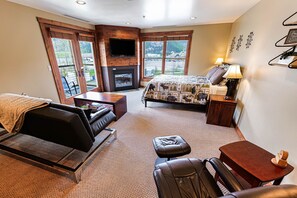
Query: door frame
[[61, 29]]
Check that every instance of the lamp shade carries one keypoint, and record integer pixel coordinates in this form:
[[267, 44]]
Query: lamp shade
[[233, 72], [219, 61]]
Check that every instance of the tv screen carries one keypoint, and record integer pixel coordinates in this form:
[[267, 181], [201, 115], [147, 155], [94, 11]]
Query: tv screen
[[122, 47]]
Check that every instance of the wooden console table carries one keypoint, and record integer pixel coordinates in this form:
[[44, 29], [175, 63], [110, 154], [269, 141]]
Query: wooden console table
[[118, 102], [252, 163]]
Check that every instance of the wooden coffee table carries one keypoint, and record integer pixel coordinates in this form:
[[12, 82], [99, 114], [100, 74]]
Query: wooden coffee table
[[118, 102], [253, 163]]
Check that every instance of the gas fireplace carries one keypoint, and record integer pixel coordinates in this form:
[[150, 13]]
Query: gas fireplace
[[118, 78], [123, 79]]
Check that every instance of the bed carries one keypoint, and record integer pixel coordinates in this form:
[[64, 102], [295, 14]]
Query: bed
[[183, 89]]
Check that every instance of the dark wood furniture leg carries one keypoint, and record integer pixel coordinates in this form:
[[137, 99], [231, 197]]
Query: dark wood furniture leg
[[278, 181]]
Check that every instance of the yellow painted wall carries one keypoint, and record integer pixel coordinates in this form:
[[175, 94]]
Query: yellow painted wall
[[23, 59], [267, 93], [208, 43]]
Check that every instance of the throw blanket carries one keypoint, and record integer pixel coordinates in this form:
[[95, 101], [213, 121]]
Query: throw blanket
[[13, 108]]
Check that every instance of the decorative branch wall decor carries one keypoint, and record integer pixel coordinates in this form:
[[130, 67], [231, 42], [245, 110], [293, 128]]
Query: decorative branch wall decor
[[239, 42], [232, 45], [249, 40], [288, 57]]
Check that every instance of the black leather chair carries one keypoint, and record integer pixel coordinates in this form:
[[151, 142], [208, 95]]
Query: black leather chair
[[66, 125], [190, 178]]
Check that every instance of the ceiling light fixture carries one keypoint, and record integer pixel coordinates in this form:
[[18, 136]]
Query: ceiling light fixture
[[81, 2], [128, 23], [193, 18]]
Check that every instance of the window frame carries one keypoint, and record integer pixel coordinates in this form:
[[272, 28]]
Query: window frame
[[54, 29], [165, 36]]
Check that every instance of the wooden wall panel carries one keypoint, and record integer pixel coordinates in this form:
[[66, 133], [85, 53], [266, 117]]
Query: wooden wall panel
[[105, 32]]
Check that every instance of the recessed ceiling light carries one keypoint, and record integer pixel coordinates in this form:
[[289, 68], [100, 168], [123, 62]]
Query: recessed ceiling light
[[193, 18], [80, 2], [128, 23]]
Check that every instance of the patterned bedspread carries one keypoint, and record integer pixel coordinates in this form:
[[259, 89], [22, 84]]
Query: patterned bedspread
[[180, 89]]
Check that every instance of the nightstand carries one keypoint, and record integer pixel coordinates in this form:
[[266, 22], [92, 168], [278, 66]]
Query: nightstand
[[220, 111]]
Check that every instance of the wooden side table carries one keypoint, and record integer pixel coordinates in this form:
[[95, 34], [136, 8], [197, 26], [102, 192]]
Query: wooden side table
[[220, 111], [252, 163], [118, 102]]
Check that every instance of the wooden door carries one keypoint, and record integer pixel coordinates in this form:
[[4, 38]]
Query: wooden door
[[72, 53]]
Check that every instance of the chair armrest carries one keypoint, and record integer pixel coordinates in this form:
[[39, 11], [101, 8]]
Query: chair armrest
[[101, 120], [98, 114], [281, 191], [227, 177]]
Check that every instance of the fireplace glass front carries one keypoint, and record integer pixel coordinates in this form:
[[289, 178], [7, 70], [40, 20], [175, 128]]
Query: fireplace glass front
[[123, 80]]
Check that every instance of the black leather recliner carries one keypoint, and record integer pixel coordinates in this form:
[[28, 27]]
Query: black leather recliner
[[189, 177], [66, 125]]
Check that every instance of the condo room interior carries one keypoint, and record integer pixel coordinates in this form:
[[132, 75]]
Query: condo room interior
[[216, 78]]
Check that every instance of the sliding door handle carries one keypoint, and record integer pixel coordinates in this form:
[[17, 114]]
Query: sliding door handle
[[82, 71]]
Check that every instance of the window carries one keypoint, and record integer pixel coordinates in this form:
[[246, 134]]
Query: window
[[175, 60], [89, 68], [165, 53], [71, 51], [65, 60], [153, 57]]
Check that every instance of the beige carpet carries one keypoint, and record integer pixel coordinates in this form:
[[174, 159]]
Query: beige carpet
[[123, 168]]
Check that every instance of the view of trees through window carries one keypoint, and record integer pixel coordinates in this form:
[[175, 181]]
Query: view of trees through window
[[89, 70], [153, 55], [174, 61], [175, 57]]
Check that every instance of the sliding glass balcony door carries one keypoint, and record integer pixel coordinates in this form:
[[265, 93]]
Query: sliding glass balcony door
[[67, 66], [88, 65], [76, 66], [74, 58]]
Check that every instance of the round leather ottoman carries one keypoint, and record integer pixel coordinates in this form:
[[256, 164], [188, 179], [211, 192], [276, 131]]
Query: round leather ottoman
[[171, 146]]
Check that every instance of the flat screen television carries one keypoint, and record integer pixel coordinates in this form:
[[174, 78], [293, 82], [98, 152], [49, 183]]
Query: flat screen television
[[122, 47]]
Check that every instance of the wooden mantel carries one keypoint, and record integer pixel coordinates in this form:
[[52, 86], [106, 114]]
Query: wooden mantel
[[105, 32]]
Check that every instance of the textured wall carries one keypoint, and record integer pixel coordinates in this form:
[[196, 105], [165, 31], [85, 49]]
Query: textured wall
[[267, 94]]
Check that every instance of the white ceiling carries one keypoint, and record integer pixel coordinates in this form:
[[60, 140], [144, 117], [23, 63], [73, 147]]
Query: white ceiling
[[147, 13]]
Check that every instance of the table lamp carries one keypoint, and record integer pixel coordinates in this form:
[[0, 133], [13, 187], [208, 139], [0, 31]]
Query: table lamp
[[233, 74], [219, 61]]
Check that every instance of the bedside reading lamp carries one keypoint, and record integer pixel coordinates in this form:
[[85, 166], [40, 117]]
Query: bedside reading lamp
[[233, 74], [219, 61]]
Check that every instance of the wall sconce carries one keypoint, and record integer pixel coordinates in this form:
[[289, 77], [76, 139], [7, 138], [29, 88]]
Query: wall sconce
[[233, 74]]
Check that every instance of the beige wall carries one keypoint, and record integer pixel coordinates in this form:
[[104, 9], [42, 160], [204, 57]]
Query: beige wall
[[208, 43], [268, 94], [23, 59], [24, 64]]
